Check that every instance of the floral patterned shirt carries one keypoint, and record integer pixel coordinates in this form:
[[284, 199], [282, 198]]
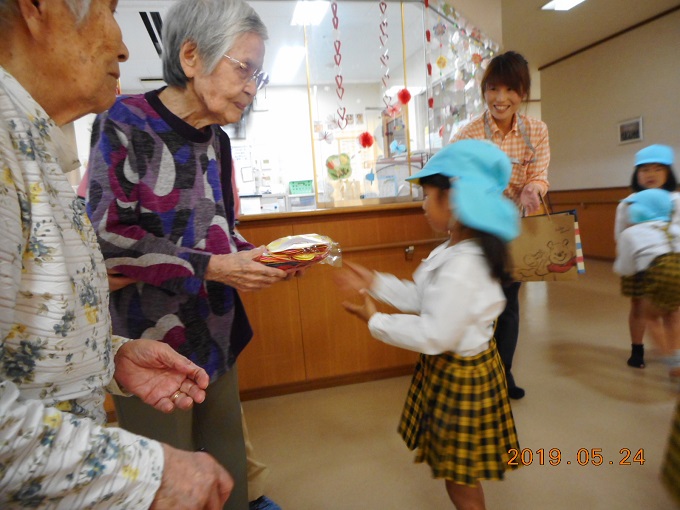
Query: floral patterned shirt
[[56, 348]]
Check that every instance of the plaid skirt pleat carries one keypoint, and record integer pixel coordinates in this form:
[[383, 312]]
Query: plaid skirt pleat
[[662, 282], [458, 416], [671, 466], [633, 286]]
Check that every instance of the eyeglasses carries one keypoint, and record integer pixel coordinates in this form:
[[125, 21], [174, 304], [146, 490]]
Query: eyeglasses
[[260, 77]]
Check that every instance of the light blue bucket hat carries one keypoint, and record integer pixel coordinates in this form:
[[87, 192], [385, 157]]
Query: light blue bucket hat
[[652, 204], [657, 153], [479, 173]]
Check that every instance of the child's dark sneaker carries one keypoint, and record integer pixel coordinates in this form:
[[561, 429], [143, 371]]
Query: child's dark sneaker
[[637, 356]]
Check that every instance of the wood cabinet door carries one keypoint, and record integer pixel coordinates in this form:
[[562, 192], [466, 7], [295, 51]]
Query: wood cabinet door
[[337, 343], [274, 356]]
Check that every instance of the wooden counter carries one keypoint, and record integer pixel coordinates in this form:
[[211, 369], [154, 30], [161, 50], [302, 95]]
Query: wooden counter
[[304, 339]]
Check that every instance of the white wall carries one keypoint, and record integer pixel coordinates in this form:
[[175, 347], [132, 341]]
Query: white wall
[[586, 96]]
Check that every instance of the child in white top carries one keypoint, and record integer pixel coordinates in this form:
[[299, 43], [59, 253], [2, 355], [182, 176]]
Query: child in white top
[[653, 170], [650, 250], [457, 413]]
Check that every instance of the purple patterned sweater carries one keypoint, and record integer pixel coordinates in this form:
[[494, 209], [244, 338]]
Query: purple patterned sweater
[[160, 198]]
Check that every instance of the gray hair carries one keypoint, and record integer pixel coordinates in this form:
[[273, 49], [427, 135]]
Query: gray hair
[[9, 11], [213, 25]]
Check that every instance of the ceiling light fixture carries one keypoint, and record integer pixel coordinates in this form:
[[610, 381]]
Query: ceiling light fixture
[[561, 5], [309, 12], [287, 63]]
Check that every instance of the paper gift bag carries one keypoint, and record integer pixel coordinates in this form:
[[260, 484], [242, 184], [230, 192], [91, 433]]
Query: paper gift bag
[[547, 249]]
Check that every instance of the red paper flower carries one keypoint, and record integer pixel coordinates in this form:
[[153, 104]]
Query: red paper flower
[[366, 139], [476, 58], [404, 96]]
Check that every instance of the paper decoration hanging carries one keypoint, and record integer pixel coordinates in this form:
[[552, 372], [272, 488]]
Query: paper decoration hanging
[[337, 58], [366, 139], [459, 53], [404, 96], [384, 52]]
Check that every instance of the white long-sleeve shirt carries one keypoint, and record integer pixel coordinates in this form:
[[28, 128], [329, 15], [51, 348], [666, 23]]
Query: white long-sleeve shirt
[[640, 244], [56, 348], [450, 305]]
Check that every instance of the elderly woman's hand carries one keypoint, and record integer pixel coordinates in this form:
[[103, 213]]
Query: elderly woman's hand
[[191, 480], [117, 281], [240, 271], [158, 375]]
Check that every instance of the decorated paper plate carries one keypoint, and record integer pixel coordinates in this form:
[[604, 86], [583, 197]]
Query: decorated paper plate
[[297, 252], [339, 166]]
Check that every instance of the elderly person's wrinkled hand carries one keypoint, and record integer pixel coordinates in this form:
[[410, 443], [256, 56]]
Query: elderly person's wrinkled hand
[[240, 271], [118, 281], [530, 198], [158, 375], [192, 481], [296, 273], [354, 277]]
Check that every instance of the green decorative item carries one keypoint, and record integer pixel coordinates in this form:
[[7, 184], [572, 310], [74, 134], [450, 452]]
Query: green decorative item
[[339, 166]]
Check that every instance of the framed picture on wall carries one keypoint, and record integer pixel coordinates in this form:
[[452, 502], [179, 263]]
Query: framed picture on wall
[[630, 130]]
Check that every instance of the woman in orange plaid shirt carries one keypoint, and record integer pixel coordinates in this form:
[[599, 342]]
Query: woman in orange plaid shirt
[[505, 86]]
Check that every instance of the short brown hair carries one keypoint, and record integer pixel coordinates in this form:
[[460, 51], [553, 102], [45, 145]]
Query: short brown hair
[[510, 69]]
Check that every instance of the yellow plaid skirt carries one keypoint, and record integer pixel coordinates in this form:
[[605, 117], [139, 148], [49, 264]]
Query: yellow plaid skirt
[[633, 286], [671, 466], [457, 414], [662, 282]]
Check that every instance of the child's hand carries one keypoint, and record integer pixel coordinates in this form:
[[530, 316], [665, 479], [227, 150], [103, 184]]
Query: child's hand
[[354, 278], [364, 311]]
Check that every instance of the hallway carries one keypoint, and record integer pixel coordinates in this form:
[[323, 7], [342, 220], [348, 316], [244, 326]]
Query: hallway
[[337, 448]]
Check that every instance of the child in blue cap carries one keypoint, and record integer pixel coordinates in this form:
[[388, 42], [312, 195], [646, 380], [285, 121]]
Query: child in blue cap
[[653, 170], [650, 250], [457, 413]]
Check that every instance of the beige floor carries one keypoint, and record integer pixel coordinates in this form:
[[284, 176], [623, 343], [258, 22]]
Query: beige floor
[[337, 449]]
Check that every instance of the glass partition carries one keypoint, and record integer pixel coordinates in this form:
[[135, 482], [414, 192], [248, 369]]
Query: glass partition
[[358, 64], [357, 101]]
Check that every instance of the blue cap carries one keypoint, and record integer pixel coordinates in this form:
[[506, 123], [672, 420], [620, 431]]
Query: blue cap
[[652, 204], [662, 154], [479, 173]]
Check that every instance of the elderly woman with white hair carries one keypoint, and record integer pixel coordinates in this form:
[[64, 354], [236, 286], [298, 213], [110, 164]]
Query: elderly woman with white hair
[[59, 59], [160, 197]]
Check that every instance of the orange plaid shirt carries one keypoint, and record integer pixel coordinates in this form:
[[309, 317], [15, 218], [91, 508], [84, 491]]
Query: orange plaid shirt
[[531, 167]]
